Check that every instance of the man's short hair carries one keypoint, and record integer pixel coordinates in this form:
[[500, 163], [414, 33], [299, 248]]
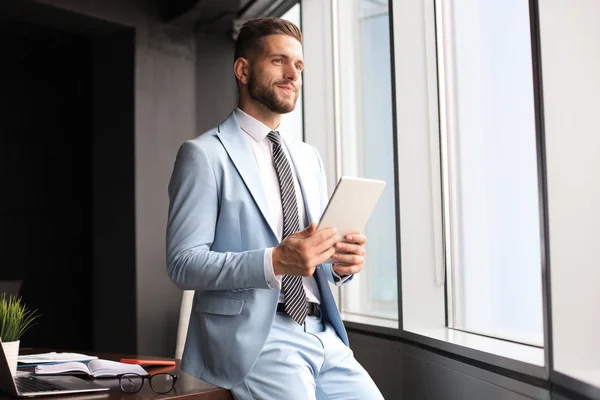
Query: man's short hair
[[250, 39]]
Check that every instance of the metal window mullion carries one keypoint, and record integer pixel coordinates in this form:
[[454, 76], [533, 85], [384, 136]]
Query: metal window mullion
[[449, 151]]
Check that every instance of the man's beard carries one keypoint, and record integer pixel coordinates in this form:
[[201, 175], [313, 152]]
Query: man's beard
[[268, 97]]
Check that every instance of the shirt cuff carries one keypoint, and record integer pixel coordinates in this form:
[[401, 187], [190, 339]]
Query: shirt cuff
[[338, 280], [274, 281]]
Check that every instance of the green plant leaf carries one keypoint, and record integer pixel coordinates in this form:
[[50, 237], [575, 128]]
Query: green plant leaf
[[15, 318]]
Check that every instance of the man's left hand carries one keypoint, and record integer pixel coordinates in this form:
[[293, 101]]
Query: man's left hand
[[352, 262]]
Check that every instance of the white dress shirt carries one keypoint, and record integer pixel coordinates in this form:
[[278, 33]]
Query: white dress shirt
[[256, 136]]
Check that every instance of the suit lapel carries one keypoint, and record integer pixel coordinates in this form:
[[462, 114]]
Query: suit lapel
[[310, 192], [232, 138]]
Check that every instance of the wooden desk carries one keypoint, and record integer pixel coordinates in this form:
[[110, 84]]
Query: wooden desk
[[187, 386]]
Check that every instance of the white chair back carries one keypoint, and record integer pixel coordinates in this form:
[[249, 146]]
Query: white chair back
[[184, 320]]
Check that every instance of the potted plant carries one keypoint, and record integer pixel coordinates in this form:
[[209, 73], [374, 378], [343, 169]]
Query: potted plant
[[15, 319]]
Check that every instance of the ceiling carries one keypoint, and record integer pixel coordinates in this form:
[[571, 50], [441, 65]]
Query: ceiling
[[212, 16], [220, 15]]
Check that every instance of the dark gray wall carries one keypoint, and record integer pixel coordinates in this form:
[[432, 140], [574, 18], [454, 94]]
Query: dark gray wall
[[144, 109], [165, 118], [164, 99], [403, 370], [216, 88], [145, 97]]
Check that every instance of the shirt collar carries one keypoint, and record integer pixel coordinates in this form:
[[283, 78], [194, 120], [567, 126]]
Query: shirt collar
[[253, 127]]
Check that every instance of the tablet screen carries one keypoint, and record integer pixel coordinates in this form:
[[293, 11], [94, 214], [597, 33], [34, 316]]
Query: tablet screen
[[351, 204]]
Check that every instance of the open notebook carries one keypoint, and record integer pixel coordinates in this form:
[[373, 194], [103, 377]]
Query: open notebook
[[94, 368], [31, 385]]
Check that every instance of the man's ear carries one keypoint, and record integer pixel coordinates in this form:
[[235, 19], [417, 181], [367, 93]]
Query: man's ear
[[241, 69]]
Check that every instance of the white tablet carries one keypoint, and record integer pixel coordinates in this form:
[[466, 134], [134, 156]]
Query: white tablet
[[351, 204]]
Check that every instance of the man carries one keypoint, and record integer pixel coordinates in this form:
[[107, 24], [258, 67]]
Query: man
[[264, 322]]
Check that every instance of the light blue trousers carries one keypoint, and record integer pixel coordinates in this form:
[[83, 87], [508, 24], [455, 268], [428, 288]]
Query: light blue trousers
[[305, 363]]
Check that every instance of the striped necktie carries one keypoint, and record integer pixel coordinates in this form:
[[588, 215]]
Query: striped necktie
[[291, 286]]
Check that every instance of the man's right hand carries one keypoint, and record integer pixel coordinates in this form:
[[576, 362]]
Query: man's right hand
[[301, 252]]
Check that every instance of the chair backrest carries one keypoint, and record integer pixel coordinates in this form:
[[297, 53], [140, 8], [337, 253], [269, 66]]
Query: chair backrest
[[184, 320]]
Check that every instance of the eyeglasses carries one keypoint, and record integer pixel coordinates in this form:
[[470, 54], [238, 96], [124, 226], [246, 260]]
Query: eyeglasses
[[160, 383]]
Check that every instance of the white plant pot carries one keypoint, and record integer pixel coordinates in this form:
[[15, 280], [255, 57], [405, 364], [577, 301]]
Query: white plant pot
[[11, 350]]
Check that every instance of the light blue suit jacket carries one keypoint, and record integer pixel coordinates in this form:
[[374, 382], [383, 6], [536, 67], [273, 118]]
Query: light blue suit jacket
[[218, 229]]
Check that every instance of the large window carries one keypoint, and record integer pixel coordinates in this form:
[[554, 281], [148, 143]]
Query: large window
[[350, 120], [468, 187], [492, 225], [494, 239], [364, 148]]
